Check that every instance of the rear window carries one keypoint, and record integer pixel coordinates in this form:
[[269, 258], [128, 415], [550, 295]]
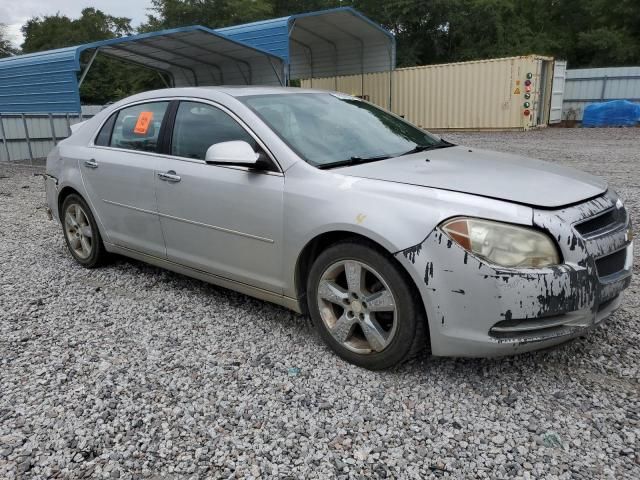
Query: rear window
[[138, 127]]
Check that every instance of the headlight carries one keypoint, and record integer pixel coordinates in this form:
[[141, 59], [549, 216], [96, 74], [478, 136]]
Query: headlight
[[502, 243]]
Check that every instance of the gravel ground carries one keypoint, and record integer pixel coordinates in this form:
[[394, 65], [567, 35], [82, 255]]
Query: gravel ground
[[133, 372]]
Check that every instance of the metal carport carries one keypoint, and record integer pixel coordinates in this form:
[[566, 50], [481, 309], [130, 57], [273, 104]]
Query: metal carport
[[327, 43], [47, 82]]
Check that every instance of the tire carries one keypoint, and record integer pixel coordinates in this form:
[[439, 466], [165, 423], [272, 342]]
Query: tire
[[358, 331], [81, 232]]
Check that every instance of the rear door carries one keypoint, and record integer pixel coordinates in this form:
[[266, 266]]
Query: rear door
[[120, 176], [225, 220], [557, 92]]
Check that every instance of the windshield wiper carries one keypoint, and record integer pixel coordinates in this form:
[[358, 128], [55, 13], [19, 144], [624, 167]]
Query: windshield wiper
[[424, 148], [355, 160]]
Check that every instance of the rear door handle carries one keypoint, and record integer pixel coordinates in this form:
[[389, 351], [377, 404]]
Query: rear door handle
[[169, 176], [91, 163]]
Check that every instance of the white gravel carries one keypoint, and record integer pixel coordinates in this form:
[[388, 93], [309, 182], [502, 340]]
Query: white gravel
[[133, 372]]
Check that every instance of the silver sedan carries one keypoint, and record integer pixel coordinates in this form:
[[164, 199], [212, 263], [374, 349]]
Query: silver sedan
[[390, 238]]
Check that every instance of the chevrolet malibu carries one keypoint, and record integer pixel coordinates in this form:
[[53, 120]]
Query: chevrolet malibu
[[390, 238]]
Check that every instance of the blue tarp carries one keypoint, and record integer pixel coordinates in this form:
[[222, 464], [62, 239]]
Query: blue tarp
[[617, 113]]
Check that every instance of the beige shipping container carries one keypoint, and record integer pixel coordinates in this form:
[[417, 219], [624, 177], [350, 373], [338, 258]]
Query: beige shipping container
[[478, 95]]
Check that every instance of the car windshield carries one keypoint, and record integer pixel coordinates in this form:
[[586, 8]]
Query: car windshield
[[330, 130]]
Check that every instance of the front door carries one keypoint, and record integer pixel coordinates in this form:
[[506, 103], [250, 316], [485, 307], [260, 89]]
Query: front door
[[224, 220], [120, 176]]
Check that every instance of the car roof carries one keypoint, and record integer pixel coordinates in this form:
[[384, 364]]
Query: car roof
[[231, 90]]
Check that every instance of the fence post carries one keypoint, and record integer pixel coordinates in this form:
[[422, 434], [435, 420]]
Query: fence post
[[604, 86], [26, 134], [4, 139], [53, 130]]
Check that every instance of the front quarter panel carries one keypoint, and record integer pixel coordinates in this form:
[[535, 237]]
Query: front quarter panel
[[396, 216]]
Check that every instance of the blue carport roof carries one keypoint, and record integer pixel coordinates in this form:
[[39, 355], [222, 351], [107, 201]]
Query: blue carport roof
[[46, 82], [269, 35], [332, 42], [338, 41]]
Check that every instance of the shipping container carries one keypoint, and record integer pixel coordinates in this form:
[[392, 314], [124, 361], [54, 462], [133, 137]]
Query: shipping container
[[499, 94]]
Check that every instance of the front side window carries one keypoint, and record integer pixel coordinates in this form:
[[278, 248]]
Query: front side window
[[325, 129], [138, 127], [198, 126]]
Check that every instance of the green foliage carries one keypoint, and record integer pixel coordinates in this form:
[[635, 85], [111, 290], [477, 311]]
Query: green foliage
[[57, 31], [585, 32], [211, 13]]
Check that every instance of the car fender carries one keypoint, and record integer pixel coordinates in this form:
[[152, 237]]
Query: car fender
[[397, 216], [63, 163]]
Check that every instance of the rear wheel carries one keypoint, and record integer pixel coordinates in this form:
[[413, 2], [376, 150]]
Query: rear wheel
[[81, 232], [364, 306]]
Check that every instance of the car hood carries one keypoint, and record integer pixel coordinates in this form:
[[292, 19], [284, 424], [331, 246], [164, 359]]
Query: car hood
[[490, 174]]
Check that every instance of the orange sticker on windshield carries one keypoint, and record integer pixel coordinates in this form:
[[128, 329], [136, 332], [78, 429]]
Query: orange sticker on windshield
[[142, 125]]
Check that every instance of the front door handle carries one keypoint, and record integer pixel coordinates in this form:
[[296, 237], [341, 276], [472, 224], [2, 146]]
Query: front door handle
[[91, 163], [169, 176]]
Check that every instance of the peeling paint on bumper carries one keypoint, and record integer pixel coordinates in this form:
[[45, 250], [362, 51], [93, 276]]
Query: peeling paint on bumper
[[51, 191], [477, 309]]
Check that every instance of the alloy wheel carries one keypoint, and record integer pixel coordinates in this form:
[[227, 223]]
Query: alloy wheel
[[78, 231], [357, 306]]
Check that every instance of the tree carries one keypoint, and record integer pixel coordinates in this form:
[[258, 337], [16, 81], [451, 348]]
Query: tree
[[56, 31], [6, 48], [108, 79], [211, 13]]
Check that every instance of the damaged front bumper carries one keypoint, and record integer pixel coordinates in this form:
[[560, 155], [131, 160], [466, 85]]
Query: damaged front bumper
[[478, 309], [51, 193]]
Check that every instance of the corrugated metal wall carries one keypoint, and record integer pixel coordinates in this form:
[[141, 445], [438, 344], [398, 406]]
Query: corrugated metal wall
[[32, 136], [486, 94], [40, 82], [337, 41], [590, 85], [269, 35]]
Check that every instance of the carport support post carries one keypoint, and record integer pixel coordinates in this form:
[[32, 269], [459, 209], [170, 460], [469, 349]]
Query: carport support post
[[4, 139], [86, 69], [604, 88]]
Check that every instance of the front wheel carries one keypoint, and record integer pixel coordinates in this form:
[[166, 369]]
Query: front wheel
[[364, 306], [81, 232]]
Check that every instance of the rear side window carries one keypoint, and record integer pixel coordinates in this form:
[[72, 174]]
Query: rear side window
[[198, 126], [104, 137], [138, 127]]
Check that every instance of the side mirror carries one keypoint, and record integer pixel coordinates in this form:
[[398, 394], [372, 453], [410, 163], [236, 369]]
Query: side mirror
[[236, 152]]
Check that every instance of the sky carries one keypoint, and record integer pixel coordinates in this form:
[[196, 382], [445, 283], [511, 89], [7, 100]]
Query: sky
[[14, 13]]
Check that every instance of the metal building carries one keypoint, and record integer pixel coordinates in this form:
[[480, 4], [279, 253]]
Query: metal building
[[334, 42], [40, 92], [47, 82]]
